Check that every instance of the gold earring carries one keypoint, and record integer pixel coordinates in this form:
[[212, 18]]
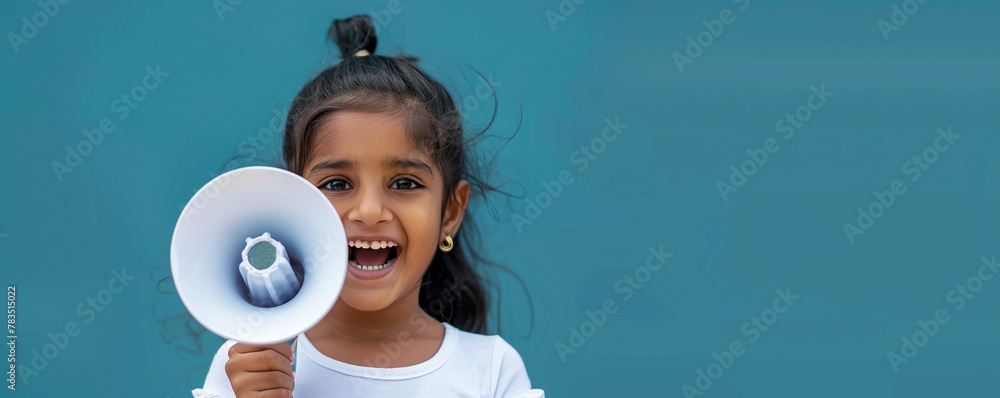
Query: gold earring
[[448, 244]]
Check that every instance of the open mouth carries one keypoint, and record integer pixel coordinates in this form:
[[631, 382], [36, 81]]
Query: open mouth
[[372, 255]]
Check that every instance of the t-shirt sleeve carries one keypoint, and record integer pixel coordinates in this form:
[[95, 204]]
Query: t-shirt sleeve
[[217, 382], [510, 375]]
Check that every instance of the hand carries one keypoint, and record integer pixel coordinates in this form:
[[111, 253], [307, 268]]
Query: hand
[[261, 371]]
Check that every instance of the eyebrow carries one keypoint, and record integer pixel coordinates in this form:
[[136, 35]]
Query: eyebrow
[[400, 163], [336, 164], [403, 163]]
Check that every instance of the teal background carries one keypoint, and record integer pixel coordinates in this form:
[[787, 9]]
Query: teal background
[[654, 185]]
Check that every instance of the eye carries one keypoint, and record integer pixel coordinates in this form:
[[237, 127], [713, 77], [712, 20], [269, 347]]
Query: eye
[[336, 184], [406, 184]]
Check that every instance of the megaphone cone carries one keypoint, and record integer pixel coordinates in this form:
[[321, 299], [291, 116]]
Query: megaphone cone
[[228, 215]]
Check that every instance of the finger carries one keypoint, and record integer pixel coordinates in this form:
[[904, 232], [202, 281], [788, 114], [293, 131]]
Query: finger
[[242, 348], [276, 393], [260, 361], [262, 381]]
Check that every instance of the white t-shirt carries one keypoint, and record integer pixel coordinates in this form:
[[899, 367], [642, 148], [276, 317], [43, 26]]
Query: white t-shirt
[[466, 365]]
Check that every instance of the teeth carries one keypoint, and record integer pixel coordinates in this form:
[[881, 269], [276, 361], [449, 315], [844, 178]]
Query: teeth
[[382, 244], [371, 267]]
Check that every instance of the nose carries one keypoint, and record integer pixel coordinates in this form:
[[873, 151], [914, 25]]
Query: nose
[[369, 207]]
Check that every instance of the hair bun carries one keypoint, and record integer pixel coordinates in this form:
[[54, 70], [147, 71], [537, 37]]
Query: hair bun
[[353, 34]]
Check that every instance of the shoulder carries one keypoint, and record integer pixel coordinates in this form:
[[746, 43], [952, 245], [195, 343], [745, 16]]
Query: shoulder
[[505, 357], [494, 347], [465, 341], [508, 368], [489, 350], [508, 375]]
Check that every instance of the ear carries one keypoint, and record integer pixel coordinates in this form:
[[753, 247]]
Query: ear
[[454, 210]]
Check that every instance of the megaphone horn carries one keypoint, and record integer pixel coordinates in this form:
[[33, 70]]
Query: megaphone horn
[[258, 255]]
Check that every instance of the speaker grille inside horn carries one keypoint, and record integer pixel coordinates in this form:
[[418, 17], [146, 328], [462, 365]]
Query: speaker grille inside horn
[[261, 255]]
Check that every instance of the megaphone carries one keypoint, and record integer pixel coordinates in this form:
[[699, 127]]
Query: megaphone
[[258, 255]]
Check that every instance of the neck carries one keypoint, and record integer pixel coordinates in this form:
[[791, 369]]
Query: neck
[[346, 322]]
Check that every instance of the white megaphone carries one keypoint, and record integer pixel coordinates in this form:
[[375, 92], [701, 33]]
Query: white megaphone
[[259, 255]]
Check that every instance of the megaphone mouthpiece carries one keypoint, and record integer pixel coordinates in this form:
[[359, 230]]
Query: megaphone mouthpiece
[[267, 272]]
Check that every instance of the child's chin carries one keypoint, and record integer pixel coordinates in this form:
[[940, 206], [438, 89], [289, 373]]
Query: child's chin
[[366, 299]]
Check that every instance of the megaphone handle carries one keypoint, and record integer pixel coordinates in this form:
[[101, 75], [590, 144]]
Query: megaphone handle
[[294, 362]]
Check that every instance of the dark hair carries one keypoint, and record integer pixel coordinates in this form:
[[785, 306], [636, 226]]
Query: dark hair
[[451, 290]]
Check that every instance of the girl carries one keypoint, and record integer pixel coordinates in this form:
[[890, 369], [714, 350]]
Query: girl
[[384, 142]]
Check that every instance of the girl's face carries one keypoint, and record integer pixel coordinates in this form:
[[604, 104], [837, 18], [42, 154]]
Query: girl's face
[[388, 194]]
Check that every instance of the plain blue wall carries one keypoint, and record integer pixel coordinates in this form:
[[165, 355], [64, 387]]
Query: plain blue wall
[[654, 185]]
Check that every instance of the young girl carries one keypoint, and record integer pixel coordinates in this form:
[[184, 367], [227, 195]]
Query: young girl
[[385, 143]]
